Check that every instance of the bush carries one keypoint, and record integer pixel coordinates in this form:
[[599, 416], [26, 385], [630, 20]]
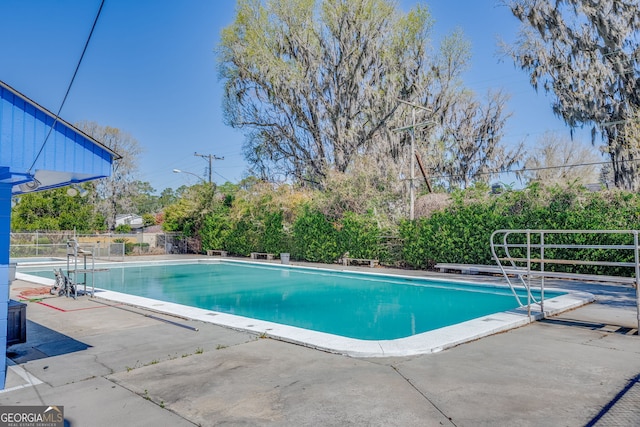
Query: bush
[[128, 246], [216, 228], [243, 238], [456, 227], [359, 235], [461, 233], [123, 229], [315, 238], [139, 248], [274, 238], [149, 219]]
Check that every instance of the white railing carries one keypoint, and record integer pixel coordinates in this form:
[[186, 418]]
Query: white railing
[[524, 254]]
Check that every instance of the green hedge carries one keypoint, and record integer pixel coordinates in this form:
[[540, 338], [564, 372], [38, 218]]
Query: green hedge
[[315, 239], [274, 238], [243, 238], [459, 234], [215, 231], [359, 235], [462, 232]]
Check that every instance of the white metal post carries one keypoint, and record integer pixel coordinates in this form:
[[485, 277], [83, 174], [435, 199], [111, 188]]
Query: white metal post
[[412, 194], [529, 273], [637, 259], [542, 271]]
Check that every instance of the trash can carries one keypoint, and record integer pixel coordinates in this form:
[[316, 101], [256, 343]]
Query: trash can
[[284, 258], [16, 323]]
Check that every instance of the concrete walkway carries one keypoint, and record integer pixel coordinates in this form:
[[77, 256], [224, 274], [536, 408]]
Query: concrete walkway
[[110, 364]]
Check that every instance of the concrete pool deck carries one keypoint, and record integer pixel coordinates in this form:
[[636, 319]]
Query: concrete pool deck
[[111, 364]]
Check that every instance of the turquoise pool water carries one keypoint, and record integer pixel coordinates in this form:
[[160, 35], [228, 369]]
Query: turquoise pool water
[[361, 306]]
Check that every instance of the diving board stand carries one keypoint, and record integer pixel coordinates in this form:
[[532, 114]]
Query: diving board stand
[[74, 252]]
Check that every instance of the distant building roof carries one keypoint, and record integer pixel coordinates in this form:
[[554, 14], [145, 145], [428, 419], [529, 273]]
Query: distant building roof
[[133, 220]]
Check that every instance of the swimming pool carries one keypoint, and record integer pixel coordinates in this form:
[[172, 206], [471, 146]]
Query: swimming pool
[[297, 303]]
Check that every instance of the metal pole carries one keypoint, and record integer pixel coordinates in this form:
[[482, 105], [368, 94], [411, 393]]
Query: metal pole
[[413, 166], [529, 273], [542, 271], [637, 259]]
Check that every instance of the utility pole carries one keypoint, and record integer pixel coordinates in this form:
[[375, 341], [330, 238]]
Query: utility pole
[[412, 128], [211, 158]]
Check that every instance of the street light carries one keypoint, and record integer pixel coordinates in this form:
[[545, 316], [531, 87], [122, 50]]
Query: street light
[[190, 173]]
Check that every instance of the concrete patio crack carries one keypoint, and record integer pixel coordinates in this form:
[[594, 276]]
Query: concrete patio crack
[[424, 395]]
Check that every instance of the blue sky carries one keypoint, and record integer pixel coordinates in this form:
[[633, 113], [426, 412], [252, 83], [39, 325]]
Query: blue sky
[[150, 70]]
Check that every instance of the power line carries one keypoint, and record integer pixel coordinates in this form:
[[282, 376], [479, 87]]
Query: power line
[[533, 169], [55, 120], [223, 177]]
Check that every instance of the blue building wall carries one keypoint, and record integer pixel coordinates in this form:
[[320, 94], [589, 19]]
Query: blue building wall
[[37, 152], [5, 229]]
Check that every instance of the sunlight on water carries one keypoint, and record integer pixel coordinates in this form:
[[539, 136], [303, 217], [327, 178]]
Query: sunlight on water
[[369, 307]]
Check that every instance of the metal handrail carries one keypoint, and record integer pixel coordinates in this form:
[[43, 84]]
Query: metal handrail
[[573, 262], [525, 275]]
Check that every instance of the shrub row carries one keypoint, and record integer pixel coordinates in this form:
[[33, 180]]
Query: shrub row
[[312, 236], [458, 234], [461, 233]]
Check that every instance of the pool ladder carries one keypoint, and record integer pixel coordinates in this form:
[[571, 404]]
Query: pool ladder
[[530, 246]]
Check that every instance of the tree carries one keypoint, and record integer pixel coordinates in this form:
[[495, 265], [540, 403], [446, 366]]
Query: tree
[[53, 210], [314, 85], [587, 53], [363, 189], [167, 197], [319, 88], [116, 192], [467, 147], [144, 201], [187, 214], [558, 160]]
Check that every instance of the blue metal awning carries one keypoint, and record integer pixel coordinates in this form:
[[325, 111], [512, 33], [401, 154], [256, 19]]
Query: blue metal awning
[[39, 151]]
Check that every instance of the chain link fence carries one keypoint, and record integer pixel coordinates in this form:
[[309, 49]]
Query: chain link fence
[[111, 246], [108, 246]]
